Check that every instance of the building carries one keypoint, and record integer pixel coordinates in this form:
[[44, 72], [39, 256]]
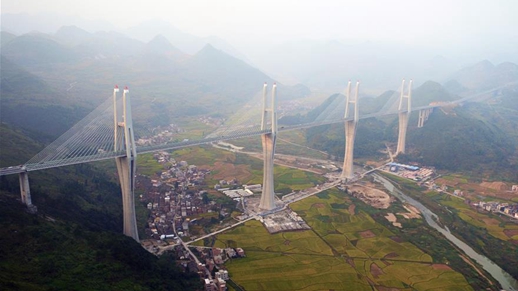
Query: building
[[222, 274]]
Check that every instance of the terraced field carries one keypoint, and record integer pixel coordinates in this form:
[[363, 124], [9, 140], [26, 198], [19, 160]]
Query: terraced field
[[344, 251]]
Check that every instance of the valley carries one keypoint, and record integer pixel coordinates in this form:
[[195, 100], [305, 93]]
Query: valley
[[227, 187]]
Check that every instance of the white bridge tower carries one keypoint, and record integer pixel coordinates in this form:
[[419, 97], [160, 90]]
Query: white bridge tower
[[404, 113], [124, 141], [268, 141], [350, 131]]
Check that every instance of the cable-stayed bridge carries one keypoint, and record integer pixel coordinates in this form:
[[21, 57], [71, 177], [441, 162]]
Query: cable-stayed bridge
[[108, 133]]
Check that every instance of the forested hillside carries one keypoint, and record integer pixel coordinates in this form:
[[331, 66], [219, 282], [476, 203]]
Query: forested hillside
[[75, 241]]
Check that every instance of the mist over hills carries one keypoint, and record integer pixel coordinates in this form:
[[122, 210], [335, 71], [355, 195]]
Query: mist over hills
[[326, 65], [485, 75], [84, 66], [186, 42], [73, 68]]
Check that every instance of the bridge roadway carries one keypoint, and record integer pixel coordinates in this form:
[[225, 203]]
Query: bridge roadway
[[178, 145]]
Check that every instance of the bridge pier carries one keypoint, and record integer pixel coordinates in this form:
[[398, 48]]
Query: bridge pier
[[268, 141], [404, 114], [25, 192], [423, 116], [403, 126], [126, 165], [350, 132]]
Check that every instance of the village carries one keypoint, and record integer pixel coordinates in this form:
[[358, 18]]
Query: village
[[179, 210]]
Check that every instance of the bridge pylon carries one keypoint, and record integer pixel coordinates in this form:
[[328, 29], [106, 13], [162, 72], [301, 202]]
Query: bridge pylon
[[350, 131], [404, 113], [124, 141], [268, 141]]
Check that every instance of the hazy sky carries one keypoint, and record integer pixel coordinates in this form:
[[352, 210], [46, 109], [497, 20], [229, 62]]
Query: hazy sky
[[234, 19]]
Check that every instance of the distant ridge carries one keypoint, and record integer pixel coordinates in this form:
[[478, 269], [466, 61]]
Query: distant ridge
[[72, 35], [485, 75]]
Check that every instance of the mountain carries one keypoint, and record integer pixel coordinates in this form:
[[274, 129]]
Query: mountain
[[473, 138], [30, 103], [186, 42], [165, 83], [218, 72], [6, 37], [430, 92], [485, 75], [478, 138], [72, 35], [454, 87], [159, 45], [108, 44], [37, 49]]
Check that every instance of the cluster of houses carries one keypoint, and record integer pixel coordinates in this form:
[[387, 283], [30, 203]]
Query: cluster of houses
[[213, 259], [160, 135], [411, 172], [505, 208], [211, 121], [170, 199]]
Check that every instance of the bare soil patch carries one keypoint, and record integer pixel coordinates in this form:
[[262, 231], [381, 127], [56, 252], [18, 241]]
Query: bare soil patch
[[392, 218], [441, 267], [511, 232], [412, 212], [351, 209], [367, 234], [383, 288], [376, 271], [318, 205], [370, 195]]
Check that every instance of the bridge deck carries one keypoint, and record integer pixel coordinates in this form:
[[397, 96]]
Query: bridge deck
[[99, 156]]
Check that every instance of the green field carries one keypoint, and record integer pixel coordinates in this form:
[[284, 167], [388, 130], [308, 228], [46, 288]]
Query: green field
[[286, 179], [493, 223], [344, 251]]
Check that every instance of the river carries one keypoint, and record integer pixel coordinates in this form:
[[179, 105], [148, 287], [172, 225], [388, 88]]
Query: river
[[506, 280]]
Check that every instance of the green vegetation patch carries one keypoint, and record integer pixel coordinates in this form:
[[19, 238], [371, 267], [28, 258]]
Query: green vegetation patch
[[342, 252]]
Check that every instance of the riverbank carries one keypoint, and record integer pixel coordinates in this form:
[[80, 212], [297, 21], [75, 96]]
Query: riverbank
[[470, 246]]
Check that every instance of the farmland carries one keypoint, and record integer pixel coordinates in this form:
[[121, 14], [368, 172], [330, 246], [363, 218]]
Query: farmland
[[246, 169], [346, 249]]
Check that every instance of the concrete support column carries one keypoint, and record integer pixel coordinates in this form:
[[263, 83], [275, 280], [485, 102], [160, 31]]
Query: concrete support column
[[350, 133], [268, 195], [424, 114], [268, 141], [403, 125], [25, 190], [125, 169], [126, 165], [404, 113]]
